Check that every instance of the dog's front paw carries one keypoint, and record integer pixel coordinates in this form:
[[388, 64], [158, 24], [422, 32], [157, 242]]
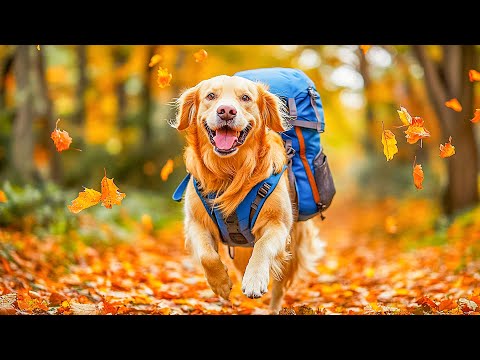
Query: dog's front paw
[[219, 281], [255, 282]]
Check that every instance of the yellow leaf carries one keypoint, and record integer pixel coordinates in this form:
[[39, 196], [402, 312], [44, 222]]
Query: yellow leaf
[[3, 197], [474, 75], [405, 117], [389, 144], [110, 194], [155, 60], [38, 47], [167, 169], [163, 78], [85, 199], [65, 304]]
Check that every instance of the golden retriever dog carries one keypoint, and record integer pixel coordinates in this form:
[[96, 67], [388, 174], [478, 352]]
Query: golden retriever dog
[[231, 126]]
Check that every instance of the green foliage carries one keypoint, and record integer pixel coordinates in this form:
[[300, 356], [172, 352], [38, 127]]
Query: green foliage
[[39, 208]]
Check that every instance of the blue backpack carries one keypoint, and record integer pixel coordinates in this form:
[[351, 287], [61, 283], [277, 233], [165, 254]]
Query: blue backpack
[[313, 188]]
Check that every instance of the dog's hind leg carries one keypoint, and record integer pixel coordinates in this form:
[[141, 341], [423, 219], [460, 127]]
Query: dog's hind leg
[[204, 249]]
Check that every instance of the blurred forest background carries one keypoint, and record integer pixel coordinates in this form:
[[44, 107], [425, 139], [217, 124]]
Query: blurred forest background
[[108, 100]]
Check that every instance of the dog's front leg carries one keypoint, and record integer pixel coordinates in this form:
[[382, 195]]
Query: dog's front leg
[[266, 251], [205, 251]]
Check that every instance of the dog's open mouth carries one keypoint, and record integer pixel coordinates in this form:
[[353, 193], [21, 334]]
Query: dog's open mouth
[[226, 140]]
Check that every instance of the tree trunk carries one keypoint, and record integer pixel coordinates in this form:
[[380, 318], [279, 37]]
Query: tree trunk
[[22, 139], [147, 102], [47, 112], [82, 84], [369, 145], [444, 81]]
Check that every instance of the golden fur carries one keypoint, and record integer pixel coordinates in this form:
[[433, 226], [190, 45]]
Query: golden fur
[[281, 247]]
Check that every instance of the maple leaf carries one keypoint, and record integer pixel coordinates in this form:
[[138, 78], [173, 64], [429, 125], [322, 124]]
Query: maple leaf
[[454, 104], [155, 60], [200, 55], [474, 75], [476, 116], [110, 194], [448, 149], [85, 199], [365, 48], [304, 310], [418, 175], [167, 169], [60, 138], [389, 144], [3, 197], [447, 305], [405, 117], [163, 78], [108, 308], [416, 131], [83, 309]]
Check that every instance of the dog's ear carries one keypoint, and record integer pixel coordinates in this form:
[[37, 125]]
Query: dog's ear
[[187, 108], [272, 109]]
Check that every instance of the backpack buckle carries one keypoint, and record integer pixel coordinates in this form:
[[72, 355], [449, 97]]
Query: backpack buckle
[[263, 191]]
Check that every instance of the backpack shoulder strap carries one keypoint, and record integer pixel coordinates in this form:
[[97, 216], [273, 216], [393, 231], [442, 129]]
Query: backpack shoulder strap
[[177, 195], [263, 189]]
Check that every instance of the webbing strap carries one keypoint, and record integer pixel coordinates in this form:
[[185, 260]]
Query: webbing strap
[[291, 179]]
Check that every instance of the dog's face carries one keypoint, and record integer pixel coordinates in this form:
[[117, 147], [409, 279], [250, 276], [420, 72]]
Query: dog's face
[[228, 111]]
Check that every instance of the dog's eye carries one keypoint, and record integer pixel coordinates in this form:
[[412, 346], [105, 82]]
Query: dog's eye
[[211, 96], [246, 98]]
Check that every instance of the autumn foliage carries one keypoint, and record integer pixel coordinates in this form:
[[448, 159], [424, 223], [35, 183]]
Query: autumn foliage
[[60, 138]]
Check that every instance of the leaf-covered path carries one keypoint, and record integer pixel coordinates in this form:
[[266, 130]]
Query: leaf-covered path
[[393, 267]]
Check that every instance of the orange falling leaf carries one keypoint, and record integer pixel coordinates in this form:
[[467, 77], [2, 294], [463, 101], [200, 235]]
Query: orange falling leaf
[[38, 47], [418, 175], [474, 75], [155, 60], [164, 77], [454, 104], [85, 199], [3, 197], [365, 48], [200, 55], [448, 149], [60, 138], [167, 169], [476, 116], [110, 194], [416, 131]]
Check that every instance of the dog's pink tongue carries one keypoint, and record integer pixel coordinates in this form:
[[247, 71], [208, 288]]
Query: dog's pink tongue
[[225, 138]]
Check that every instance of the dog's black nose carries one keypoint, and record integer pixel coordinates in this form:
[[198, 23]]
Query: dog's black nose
[[226, 112]]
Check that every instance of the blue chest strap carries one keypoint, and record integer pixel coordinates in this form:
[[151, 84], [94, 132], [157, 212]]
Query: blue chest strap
[[235, 230]]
